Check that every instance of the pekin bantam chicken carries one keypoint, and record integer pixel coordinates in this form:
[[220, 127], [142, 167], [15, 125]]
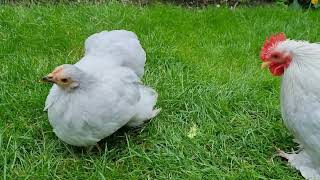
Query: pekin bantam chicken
[[298, 62], [102, 92]]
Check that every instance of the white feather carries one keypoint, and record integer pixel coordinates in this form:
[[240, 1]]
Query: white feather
[[123, 46]]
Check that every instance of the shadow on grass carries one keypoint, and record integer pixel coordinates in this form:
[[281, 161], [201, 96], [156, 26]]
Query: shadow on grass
[[117, 140]]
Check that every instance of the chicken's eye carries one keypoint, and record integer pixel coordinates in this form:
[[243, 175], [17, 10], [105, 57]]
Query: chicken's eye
[[64, 80]]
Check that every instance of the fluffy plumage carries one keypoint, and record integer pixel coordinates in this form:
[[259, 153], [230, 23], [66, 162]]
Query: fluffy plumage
[[118, 47], [300, 101], [102, 92]]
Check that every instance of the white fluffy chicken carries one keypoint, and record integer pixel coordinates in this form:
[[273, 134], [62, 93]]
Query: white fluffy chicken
[[102, 92], [299, 64]]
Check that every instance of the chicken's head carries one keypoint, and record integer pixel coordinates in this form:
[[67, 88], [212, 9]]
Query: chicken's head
[[66, 76], [276, 58]]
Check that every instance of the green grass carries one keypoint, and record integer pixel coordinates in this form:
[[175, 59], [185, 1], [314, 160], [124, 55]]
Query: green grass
[[203, 62]]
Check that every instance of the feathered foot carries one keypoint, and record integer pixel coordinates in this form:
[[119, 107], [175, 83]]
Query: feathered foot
[[287, 156], [282, 154], [302, 162], [96, 146]]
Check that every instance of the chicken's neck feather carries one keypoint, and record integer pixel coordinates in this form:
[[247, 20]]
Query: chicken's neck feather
[[301, 79], [302, 52]]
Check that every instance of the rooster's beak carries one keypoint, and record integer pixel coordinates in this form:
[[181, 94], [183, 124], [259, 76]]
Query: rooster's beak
[[265, 64]]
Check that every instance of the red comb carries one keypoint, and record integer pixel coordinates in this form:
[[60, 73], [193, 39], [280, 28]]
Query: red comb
[[271, 43]]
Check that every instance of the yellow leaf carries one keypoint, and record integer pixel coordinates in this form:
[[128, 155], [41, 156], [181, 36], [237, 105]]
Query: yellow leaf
[[193, 131]]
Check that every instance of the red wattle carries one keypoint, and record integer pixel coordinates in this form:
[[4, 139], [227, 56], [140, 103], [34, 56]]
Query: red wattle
[[277, 69]]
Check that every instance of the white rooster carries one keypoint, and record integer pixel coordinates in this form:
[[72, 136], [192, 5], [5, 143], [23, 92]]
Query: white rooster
[[299, 64], [102, 92]]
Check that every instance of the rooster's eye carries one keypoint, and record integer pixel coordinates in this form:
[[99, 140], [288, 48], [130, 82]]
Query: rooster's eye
[[276, 56]]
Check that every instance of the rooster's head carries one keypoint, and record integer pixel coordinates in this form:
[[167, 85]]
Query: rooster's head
[[276, 58]]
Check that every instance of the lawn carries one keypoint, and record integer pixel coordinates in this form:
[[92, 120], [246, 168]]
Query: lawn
[[203, 62]]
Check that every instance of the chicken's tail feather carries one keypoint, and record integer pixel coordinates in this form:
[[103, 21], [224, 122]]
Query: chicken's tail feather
[[145, 107]]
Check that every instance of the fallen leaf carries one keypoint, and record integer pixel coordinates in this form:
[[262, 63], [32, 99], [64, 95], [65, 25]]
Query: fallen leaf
[[193, 131]]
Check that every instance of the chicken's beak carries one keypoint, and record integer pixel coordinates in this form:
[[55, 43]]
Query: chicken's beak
[[265, 64], [47, 79]]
